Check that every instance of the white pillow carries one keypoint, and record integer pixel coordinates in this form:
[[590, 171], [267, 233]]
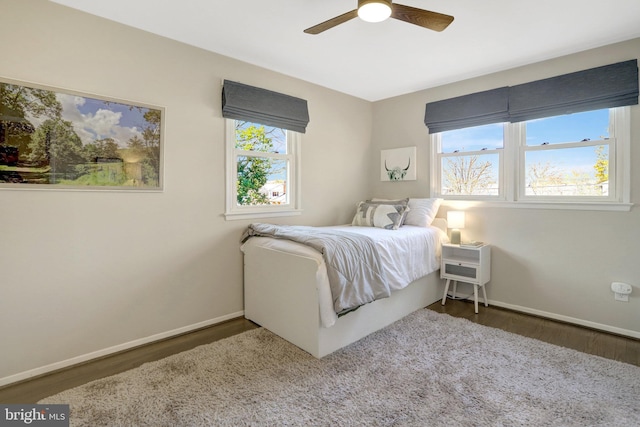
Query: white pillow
[[421, 211], [381, 215]]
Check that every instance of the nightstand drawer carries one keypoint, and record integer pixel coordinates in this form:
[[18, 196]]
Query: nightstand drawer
[[470, 264], [461, 270]]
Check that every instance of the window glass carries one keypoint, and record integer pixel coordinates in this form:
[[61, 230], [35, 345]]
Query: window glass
[[476, 175], [574, 171], [587, 126], [257, 137], [261, 181], [478, 138]]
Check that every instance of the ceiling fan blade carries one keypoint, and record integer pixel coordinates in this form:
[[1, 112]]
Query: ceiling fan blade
[[424, 18], [317, 29]]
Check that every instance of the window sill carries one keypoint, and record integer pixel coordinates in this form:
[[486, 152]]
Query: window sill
[[579, 206], [232, 216]]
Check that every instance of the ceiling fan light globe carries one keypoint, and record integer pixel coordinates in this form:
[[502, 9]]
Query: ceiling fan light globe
[[374, 11]]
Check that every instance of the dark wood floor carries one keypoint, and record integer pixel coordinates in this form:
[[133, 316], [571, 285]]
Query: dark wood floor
[[587, 340], [33, 390], [582, 339]]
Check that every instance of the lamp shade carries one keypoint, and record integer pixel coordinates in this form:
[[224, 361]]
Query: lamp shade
[[455, 219], [374, 10]]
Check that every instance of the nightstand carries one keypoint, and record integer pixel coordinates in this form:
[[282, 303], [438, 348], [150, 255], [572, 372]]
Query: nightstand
[[469, 264]]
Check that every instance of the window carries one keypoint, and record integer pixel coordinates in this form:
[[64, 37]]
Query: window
[[572, 159], [567, 156], [262, 170], [470, 161]]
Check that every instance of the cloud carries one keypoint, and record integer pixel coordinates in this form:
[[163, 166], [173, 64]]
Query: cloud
[[100, 124]]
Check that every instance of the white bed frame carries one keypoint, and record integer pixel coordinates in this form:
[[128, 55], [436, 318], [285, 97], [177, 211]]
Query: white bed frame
[[280, 295]]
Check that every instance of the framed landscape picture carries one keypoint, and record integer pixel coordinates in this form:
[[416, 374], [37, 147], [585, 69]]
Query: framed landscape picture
[[59, 139]]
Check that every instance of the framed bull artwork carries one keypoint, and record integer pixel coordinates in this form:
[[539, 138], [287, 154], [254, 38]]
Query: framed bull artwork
[[398, 164]]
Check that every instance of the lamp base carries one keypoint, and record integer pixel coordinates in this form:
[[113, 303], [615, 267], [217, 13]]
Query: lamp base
[[455, 237]]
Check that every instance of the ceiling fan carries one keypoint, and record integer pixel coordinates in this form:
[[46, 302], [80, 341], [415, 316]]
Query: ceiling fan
[[379, 10]]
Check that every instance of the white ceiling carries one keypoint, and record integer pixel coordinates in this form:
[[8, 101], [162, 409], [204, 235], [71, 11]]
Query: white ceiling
[[378, 61]]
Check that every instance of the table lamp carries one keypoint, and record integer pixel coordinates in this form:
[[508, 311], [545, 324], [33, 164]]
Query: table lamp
[[455, 220]]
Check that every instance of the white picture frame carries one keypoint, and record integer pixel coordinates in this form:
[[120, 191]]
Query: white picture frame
[[60, 139]]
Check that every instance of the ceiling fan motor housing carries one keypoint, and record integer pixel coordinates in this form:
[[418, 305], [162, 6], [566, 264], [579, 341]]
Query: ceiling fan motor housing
[[374, 10], [363, 2]]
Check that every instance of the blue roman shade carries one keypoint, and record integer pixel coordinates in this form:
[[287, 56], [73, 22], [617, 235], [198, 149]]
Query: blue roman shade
[[476, 109], [610, 86], [253, 104]]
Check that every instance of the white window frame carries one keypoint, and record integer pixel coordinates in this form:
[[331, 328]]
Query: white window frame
[[512, 176], [233, 210], [436, 170]]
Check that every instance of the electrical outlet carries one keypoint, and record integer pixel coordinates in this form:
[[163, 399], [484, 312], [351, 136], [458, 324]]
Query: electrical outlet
[[621, 291], [621, 297]]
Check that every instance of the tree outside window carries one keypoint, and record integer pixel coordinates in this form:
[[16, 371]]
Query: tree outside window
[[261, 163]]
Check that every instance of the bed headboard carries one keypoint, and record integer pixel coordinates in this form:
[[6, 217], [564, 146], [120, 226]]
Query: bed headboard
[[441, 223]]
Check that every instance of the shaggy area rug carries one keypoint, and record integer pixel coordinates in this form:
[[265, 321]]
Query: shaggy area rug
[[428, 369]]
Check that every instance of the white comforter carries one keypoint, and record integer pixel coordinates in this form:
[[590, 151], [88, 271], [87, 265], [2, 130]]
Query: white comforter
[[408, 254]]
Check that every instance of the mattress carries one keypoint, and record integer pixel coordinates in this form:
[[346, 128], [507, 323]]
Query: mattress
[[407, 254]]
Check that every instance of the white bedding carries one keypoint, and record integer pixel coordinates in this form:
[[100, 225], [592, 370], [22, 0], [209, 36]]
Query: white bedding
[[408, 253]]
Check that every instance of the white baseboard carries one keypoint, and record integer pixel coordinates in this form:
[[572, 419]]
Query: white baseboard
[[567, 319], [131, 344], [111, 350]]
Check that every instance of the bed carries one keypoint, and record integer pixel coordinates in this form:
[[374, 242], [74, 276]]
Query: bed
[[287, 290]]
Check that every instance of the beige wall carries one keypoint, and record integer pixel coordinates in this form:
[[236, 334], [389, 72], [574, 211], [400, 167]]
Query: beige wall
[[83, 273], [557, 263]]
